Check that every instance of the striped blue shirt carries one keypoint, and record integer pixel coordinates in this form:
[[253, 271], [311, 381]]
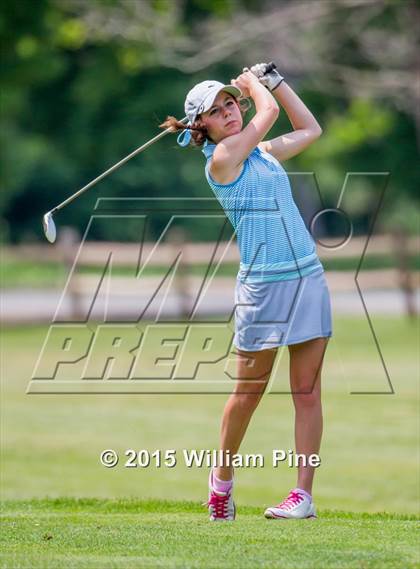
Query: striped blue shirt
[[273, 240]]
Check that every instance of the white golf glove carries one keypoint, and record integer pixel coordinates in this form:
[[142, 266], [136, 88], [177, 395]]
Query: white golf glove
[[270, 80]]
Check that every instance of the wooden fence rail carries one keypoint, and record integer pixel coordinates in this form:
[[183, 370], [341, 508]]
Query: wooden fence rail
[[93, 253]]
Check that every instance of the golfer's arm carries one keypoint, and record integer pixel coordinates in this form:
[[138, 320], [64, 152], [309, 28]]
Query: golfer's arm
[[298, 113], [306, 127], [233, 150]]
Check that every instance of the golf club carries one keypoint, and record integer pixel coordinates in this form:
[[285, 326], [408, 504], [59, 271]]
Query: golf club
[[48, 221]]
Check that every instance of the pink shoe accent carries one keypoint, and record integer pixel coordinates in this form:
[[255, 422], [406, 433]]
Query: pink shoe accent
[[220, 503], [292, 500]]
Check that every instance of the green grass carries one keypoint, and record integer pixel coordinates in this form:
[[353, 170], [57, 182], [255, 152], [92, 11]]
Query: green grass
[[133, 534], [51, 274], [365, 490], [51, 443]]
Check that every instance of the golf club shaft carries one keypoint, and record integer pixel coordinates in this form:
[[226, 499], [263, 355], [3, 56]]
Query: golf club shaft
[[115, 167], [270, 66]]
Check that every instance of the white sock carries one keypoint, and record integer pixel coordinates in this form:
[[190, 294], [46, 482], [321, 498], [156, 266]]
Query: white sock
[[305, 493]]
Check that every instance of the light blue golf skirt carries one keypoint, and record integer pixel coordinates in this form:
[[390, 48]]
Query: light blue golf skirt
[[279, 313]]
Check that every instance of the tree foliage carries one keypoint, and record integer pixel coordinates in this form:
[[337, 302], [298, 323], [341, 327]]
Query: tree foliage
[[84, 83]]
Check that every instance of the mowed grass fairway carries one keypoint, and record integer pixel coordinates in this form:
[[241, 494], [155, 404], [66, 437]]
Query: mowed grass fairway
[[105, 534], [61, 508]]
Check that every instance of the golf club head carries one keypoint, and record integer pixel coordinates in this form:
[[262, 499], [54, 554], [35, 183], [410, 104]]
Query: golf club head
[[49, 227]]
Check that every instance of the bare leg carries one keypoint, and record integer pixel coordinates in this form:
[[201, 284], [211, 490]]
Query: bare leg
[[305, 380], [254, 369]]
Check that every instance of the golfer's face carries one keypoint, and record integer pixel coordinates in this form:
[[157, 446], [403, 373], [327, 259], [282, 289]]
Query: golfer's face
[[223, 118]]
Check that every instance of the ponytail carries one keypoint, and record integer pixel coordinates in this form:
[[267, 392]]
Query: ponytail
[[198, 133]]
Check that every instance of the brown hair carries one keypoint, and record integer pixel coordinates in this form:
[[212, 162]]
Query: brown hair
[[199, 134]]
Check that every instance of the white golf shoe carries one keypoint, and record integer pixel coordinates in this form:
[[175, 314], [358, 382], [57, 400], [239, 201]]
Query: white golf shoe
[[220, 504], [296, 506]]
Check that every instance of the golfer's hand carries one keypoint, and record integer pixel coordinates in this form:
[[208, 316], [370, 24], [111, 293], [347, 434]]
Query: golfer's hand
[[245, 81], [270, 80]]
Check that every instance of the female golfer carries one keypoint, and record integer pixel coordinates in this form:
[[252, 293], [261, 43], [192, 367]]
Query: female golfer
[[281, 294]]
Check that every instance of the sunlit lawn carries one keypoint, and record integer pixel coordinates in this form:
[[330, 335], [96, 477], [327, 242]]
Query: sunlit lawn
[[51, 443]]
